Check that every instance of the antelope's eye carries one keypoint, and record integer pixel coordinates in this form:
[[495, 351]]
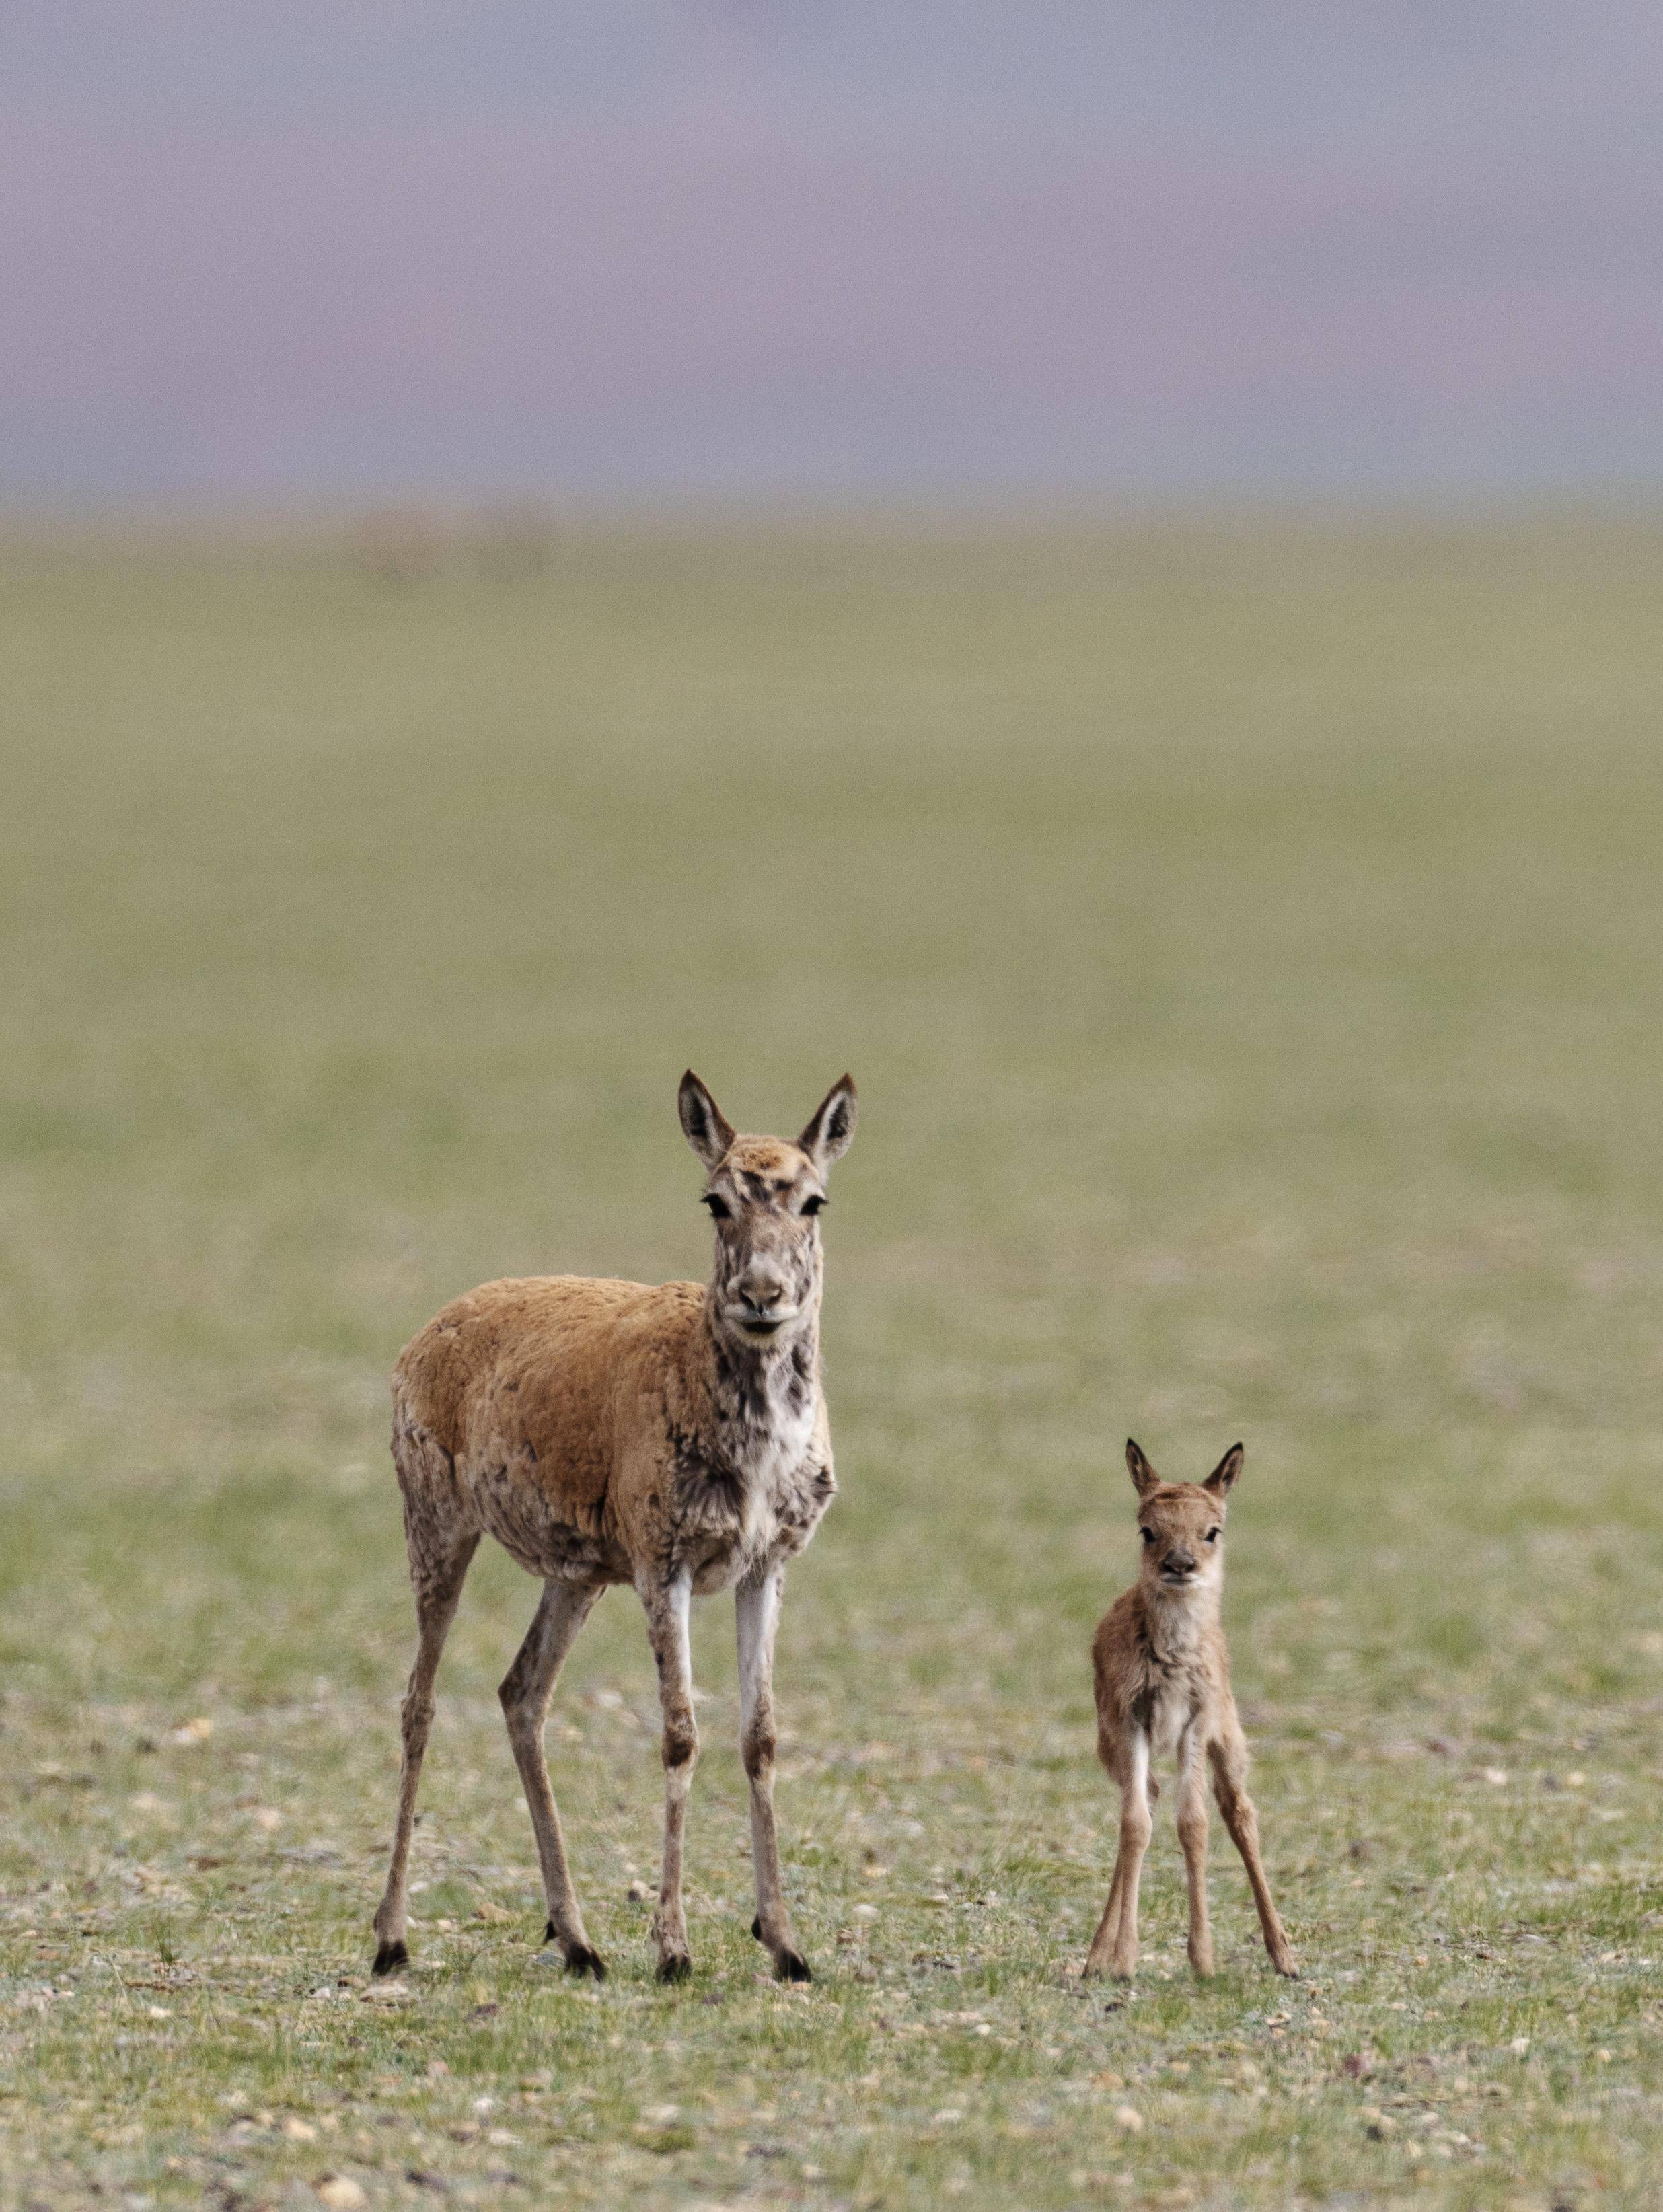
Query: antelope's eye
[[812, 1205], [1148, 1534], [1212, 1535], [718, 1206]]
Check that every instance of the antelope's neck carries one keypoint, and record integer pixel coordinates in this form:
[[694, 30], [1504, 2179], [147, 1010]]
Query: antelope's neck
[[763, 1398], [1180, 1621]]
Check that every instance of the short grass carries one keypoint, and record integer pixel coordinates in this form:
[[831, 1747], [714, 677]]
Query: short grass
[[1249, 945]]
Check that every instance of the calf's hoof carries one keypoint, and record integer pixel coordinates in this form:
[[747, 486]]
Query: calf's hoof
[[677, 1967], [392, 1959]]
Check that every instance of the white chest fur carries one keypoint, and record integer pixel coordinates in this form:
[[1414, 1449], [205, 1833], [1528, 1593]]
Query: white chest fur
[[770, 1452], [769, 1457], [1178, 1688], [760, 1491], [1173, 1709]]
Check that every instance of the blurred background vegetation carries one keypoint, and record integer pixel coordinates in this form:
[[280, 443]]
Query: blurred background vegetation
[[1247, 941]]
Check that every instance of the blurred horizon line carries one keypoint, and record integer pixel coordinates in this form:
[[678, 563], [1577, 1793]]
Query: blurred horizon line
[[276, 522]]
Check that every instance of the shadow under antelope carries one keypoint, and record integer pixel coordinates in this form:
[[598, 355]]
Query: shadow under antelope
[[1163, 1675], [673, 1437]]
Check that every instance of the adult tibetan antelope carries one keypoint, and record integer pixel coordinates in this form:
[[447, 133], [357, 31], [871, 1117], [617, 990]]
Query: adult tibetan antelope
[[674, 1436]]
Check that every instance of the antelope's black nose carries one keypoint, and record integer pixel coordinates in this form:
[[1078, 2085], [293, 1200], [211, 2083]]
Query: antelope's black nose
[[1180, 1562]]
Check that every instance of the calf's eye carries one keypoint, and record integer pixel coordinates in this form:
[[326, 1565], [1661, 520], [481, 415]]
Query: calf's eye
[[1212, 1535], [812, 1205], [1148, 1534], [718, 1206]]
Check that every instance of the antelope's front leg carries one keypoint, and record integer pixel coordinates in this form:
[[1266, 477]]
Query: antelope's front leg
[[757, 1615], [1136, 1828], [1192, 1835], [668, 1606]]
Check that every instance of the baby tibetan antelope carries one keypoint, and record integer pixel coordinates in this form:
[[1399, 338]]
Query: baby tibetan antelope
[[1163, 1685]]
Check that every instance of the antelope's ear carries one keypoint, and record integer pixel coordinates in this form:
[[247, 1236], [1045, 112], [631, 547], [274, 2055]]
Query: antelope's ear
[[704, 1125], [1222, 1477], [831, 1126], [1142, 1474]]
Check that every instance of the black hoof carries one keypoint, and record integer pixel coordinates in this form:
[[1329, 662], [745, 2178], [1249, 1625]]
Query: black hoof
[[792, 1966], [678, 1969], [392, 1959], [580, 1959]]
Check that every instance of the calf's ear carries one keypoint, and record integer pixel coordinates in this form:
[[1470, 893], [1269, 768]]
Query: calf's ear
[[1142, 1474], [1222, 1478]]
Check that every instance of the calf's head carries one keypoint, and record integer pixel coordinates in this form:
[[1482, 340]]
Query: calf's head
[[1181, 1524]]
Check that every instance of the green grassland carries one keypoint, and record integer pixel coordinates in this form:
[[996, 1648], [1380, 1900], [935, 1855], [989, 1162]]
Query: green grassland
[[1249, 945]]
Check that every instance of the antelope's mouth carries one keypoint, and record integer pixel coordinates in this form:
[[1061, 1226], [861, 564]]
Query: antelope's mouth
[[755, 1324]]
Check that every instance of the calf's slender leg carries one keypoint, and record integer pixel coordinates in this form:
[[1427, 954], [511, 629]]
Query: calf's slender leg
[[1136, 1828], [668, 1606], [526, 1689], [757, 1616], [1115, 1946], [1192, 1835], [1103, 1943], [1228, 1755], [436, 1578]]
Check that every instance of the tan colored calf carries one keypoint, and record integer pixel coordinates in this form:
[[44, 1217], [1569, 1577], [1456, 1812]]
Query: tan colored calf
[[1163, 1686], [674, 1436]]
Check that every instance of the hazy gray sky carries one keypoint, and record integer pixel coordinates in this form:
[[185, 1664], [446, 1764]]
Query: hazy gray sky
[[841, 250]]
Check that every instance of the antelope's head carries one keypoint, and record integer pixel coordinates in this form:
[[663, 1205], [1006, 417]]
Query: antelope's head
[[1181, 1525], [765, 1197]]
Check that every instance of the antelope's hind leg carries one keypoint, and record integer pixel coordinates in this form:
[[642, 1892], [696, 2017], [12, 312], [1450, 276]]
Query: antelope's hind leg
[[526, 1689], [668, 1606], [1228, 1756], [438, 1569], [756, 1617]]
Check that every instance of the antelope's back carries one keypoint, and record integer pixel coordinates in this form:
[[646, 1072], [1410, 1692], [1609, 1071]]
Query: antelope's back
[[527, 1380]]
